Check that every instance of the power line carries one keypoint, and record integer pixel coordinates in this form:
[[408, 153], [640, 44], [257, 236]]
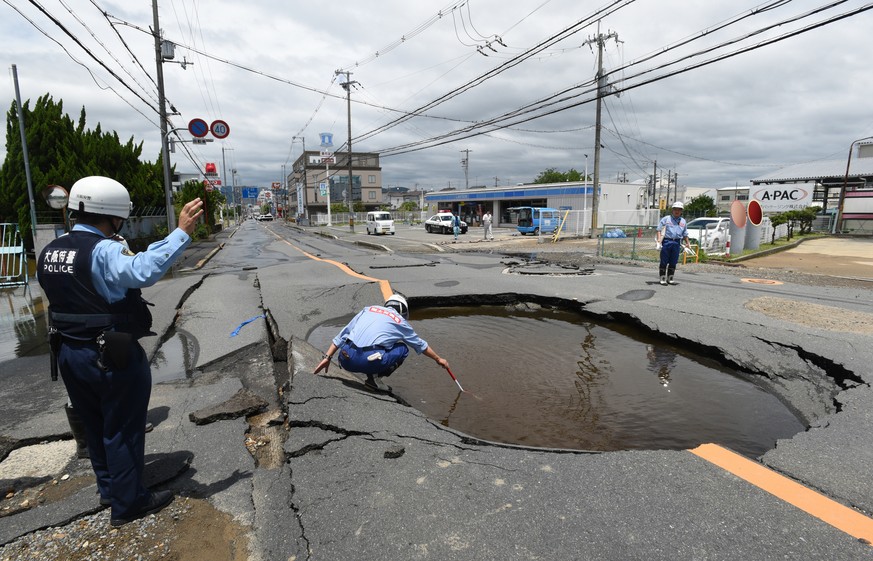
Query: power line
[[82, 46], [80, 63], [519, 115]]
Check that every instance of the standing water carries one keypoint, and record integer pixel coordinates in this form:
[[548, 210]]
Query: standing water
[[550, 378]]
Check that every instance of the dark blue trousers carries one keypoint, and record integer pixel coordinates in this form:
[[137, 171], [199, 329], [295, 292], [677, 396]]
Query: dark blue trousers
[[670, 251], [353, 359], [113, 406]]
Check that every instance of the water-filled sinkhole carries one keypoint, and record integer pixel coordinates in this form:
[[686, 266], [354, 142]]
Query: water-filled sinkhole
[[552, 378]]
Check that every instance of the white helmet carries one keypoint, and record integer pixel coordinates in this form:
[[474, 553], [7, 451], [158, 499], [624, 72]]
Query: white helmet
[[100, 195], [398, 303], [678, 204]]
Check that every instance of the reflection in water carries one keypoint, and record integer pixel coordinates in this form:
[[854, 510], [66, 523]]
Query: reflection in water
[[554, 379], [23, 328], [661, 362], [175, 358]]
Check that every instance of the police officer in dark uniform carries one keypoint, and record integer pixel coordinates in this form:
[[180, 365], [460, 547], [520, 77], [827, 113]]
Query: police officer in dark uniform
[[96, 316]]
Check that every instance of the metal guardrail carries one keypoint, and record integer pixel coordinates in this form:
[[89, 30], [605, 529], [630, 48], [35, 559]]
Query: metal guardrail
[[13, 258]]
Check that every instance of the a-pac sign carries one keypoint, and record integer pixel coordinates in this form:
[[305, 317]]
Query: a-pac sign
[[782, 198]]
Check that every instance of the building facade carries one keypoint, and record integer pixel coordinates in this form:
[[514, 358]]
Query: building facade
[[313, 182], [619, 203]]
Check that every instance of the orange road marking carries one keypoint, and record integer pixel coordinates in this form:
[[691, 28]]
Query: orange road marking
[[812, 502], [384, 285]]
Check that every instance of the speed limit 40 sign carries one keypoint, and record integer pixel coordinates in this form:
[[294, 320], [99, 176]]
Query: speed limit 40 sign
[[219, 129]]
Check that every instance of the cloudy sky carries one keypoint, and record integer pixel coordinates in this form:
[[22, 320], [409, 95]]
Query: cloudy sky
[[719, 92]]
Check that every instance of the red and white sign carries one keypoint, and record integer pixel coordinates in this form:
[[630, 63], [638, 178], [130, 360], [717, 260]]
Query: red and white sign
[[276, 185], [219, 129]]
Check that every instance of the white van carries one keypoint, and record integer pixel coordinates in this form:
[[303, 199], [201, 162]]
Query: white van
[[380, 222]]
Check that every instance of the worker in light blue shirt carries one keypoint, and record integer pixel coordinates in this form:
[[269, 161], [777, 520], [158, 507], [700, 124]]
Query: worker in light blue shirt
[[375, 342], [672, 231], [96, 317]]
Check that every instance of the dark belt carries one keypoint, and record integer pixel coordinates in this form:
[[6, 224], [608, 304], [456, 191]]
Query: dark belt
[[674, 239], [365, 349]]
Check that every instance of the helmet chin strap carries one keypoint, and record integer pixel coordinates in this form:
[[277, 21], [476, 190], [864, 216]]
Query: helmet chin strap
[[120, 224]]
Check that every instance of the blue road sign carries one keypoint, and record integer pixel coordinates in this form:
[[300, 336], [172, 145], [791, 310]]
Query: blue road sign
[[198, 128], [250, 192]]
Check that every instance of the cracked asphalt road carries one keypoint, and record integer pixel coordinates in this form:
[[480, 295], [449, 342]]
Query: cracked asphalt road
[[363, 476]]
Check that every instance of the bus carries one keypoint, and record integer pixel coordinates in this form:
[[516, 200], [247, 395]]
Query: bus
[[533, 220]]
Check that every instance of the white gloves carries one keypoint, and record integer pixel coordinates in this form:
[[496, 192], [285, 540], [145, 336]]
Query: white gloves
[[658, 246]]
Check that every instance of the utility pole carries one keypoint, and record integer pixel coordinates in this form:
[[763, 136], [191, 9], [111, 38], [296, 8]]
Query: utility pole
[[20, 110], [284, 193], [465, 163], [162, 110], [224, 178], [654, 183], [347, 86], [600, 39]]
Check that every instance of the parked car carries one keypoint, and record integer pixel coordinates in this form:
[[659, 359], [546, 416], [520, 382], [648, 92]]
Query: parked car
[[442, 224], [380, 222], [263, 217], [709, 232]]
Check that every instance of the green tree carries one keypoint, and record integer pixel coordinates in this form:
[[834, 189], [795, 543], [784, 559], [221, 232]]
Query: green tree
[[212, 201], [573, 175], [702, 205], [805, 218], [550, 175], [778, 219], [409, 206], [61, 151]]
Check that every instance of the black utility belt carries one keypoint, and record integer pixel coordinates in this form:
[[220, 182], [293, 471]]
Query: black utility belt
[[673, 239], [113, 346]]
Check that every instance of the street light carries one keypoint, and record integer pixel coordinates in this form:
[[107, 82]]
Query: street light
[[304, 192], [838, 223], [224, 177], [585, 194]]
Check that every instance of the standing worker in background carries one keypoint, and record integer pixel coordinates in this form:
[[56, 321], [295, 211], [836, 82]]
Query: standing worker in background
[[375, 342], [96, 316], [456, 226], [486, 223], [672, 231]]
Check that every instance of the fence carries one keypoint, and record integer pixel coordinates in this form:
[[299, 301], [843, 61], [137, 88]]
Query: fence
[[342, 218], [13, 258], [629, 242]]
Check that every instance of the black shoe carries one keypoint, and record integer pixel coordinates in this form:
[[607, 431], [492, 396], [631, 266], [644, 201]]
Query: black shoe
[[105, 502], [371, 382], [157, 501]]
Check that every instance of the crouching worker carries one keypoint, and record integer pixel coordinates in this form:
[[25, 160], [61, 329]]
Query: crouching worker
[[375, 342]]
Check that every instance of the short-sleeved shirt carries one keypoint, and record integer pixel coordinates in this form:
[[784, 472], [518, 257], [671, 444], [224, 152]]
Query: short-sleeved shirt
[[115, 269], [673, 228], [377, 326]]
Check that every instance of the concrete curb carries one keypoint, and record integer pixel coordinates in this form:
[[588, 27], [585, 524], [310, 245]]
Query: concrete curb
[[766, 252]]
